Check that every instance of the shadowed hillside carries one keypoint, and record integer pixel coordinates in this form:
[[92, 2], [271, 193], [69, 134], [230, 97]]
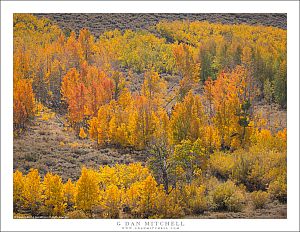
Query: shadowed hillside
[[98, 23]]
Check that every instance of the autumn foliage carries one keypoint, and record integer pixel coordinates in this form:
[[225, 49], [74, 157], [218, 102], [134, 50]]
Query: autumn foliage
[[132, 191], [184, 95], [47, 57], [23, 102], [107, 192]]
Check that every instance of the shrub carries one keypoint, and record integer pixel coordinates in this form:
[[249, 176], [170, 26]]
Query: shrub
[[242, 166], [278, 189], [195, 199], [267, 166], [227, 196], [235, 202], [211, 183], [76, 214], [221, 164], [257, 168], [265, 140], [198, 204], [259, 199], [167, 205]]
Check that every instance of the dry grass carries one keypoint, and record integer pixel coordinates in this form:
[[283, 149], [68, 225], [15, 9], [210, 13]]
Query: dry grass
[[274, 210], [46, 146], [98, 23]]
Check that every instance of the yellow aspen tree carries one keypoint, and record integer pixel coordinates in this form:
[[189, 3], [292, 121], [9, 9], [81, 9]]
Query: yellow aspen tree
[[131, 199], [222, 108], [53, 195], [69, 194], [112, 201], [112, 129], [161, 123], [210, 138], [143, 127], [93, 128], [148, 197], [86, 44], [188, 67], [107, 176], [188, 119], [103, 119], [87, 190], [133, 138], [32, 191], [128, 118], [18, 189], [55, 78], [119, 84], [122, 135], [154, 88]]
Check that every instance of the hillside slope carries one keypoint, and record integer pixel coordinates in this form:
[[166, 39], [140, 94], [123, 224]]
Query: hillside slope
[[98, 23], [50, 146]]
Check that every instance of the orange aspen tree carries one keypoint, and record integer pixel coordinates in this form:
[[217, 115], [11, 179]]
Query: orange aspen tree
[[23, 102], [72, 52], [231, 105]]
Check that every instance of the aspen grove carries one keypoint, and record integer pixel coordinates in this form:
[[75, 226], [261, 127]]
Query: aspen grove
[[192, 112]]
